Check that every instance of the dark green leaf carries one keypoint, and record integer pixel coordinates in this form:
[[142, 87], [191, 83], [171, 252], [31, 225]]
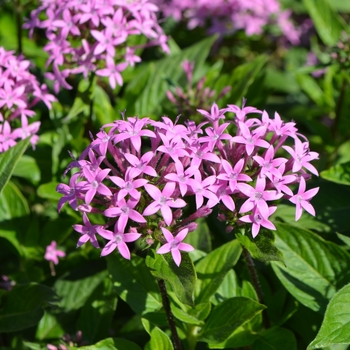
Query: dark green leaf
[[335, 328], [74, 293], [339, 174], [22, 307], [314, 269], [212, 269], [227, 317], [275, 339], [134, 283], [262, 247], [9, 160], [310, 86], [328, 23], [181, 278], [49, 327]]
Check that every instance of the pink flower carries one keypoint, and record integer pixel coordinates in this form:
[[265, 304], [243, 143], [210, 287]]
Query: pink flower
[[52, 254], [175, 244]]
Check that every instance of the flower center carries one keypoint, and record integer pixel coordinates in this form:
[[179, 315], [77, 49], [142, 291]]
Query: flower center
[[118, 238]]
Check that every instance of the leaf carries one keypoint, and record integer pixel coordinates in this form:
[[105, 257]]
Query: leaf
[[328, 23], [74, 293], [227, 317], [275, 339], [339, 174], [314, 269], [28, 169], [22, 307], [48, 191], [9, 160], [310, 86], [49, 327], [134, 283], [261, 247], [102, 107], [212, 269], [200, 238], [335, 328], [181, 278], [111, 344], [159, 340], [168, 69]]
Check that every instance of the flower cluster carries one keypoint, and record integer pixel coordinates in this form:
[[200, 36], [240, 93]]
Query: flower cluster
[[137, 172], [19, 92], [228, 16], [95, 36]]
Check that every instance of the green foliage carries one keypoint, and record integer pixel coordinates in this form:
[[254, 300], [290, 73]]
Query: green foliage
[[339, 174], [335, 328]]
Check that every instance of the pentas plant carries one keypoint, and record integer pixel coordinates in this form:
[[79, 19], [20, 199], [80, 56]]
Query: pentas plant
[[95, 36], [138, 174], [228, 16], [20, 91]]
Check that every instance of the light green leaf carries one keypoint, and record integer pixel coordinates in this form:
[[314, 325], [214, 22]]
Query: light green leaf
[[328, 23], [49, 327], [48, 191], [159, 340], [74, 293], [339, 174], [181, 278], [227, 317], [309, 85], [275, 339], [262, 247], [102, 107], [335, 328], [111, 344], [27, 168], [212, 269], [22, 307], [9, 160], [134, 283], [314, 269]]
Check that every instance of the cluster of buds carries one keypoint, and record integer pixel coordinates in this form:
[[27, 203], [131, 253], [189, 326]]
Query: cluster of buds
[[137, 174], [228, 16], [95, 36], [341, 52], [188, 99], [20, 91]]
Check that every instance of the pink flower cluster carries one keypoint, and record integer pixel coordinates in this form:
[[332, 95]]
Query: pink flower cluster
[[228, 16], [19, 92], [95, 36], [137, 172]]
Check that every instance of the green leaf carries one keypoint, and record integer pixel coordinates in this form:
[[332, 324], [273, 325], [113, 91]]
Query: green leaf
[[28, 169], [328, 23], [159, 340], [9, 160], [200, 238], [212, 269], [102, 107], [314, 269], [22, 307], [262, 247], [134, 283], [195, 316], [48, 191], [111, 344], [227, 317], [165, 69], [275, 339], [74, 293], [335, 328], [242, 77], [181, 278], [310, 86], [339, 174], [49, 327]]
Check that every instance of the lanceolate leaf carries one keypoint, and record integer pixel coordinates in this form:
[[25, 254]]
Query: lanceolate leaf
[[134, 283], [212, 269], [182, 278], [314, 269], [227, 317], [335, 328], [23, 306], [9, 159]]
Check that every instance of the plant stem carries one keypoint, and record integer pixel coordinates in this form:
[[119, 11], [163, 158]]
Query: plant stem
[[339, 106], [18, 15], [165, 300], [256, 283]]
